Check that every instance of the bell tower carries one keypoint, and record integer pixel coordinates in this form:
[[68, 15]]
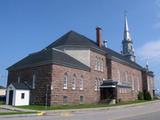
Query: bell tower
[[127, 43]]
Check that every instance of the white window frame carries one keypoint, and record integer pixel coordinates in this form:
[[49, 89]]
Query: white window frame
[[65, 81], [74, 82], [81, 83]]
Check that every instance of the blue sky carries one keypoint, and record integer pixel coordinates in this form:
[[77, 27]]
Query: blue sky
[[27, 26]]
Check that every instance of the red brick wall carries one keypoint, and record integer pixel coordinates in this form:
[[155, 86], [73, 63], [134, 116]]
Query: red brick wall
[[129, 93], [43, 77], [58, 92]]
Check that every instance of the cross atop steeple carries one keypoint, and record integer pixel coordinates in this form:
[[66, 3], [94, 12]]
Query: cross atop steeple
[[128, 50]]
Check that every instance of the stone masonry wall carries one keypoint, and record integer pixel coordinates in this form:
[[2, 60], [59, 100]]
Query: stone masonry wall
[[124, 74], [43, 78]]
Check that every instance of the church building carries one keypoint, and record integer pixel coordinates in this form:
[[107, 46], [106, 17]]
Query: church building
[[75, 69]]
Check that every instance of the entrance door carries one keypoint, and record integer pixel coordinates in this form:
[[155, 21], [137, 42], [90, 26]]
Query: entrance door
[[10, 97]]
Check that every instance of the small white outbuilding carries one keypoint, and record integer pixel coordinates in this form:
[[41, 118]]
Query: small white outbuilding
[[18, 94]]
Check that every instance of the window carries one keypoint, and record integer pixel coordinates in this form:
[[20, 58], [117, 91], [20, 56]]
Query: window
[[65, 81], [101, 64], [132, 79], [138, 85], [19, 79], [81, 83], [119, 77], [95, 84], [33, 81], [81, 99], [65, 99], [126, 77], [96, 63], [22, 95], [74, 82], [148, 82]]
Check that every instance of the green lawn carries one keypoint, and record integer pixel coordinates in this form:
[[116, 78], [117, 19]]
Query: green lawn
[[2, 102], [77, 106], [14, 113]]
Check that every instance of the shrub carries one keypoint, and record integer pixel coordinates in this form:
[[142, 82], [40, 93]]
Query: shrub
[[140, 96], [147, 96]]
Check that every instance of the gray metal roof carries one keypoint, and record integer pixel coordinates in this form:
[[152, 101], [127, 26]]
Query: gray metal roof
[[20, 86], [75, 39], [51, 56]]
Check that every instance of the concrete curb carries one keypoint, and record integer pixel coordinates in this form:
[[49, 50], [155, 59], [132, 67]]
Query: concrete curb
[[52, 112]]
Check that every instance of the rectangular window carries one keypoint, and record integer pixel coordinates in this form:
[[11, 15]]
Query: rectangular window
[[22, 95], [65, 80], [81, 99], [33, 81], [19, 79], [148, 82], [74, 82], [81, 83], [65, 99], [132, 82]]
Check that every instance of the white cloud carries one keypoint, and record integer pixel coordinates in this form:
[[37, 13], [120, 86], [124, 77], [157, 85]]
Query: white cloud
[[150, 51]]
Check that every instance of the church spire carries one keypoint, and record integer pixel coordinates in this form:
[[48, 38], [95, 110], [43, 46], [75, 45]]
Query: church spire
[[127, 36], [128, 50]]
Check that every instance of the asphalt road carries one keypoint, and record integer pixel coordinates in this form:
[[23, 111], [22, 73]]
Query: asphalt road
[[141, 112]]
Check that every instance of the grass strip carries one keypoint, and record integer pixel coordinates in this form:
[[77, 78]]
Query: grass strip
[[78, 106]]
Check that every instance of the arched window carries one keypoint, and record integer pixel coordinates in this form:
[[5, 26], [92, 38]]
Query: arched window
[[33, 81], [138, 84], [65, 81], [74, 82], [95, 84], [133, 82], [96, 63], [118, 76], [81, 83], [101, 64], [126, 77]]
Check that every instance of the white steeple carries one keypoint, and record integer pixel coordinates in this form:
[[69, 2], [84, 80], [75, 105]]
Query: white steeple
[[127, 35], [128, 50]]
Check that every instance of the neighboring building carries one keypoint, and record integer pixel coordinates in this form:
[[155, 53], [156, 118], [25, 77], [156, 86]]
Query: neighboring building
[[2, 91], [75, 69]]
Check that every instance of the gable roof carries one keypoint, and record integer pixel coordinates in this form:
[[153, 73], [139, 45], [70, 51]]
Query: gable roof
[[45, 56], [50, 55], [20, 86], [75, 39], [72, 38]]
